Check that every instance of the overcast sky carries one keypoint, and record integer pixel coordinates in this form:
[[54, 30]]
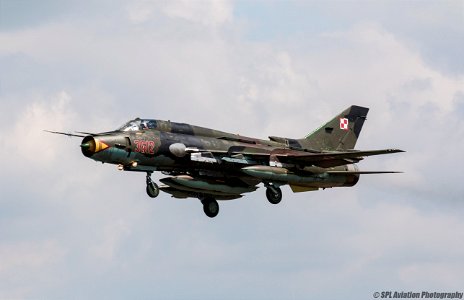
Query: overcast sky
[[73, 228]]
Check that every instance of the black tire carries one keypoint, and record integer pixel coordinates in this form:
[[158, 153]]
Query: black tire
[[274, 195], [211, 207], [153, 190]]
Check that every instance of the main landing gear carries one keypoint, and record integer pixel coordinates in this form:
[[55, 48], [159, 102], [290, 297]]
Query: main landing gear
[[210, 206], [273, 194], [152, 187]]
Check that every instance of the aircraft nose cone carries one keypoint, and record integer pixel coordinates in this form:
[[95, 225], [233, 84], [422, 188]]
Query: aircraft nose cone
[[91, 145], [88, 146]]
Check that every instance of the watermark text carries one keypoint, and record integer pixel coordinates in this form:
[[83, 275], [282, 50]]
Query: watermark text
[[418, 295]]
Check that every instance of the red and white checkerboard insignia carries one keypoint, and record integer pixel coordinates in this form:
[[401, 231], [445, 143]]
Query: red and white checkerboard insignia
[[344, 123]]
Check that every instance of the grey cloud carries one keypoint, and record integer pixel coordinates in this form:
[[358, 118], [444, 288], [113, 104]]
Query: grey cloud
[[434, 29]]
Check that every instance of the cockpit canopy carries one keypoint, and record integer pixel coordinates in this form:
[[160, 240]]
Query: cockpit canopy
[[138, 124]]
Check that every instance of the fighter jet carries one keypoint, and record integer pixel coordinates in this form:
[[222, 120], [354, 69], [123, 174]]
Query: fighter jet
[[213, 165]]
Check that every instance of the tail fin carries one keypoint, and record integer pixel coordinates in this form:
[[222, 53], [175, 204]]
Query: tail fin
[[340, 133]]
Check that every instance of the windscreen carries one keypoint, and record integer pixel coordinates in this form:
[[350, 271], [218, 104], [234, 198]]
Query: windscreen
[[138, 124]]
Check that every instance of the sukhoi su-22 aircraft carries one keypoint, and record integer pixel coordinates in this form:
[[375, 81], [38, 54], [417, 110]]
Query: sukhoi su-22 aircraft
[[212, 165]]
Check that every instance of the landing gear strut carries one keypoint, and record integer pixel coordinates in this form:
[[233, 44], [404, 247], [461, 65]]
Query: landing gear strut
[[152, 187], [210, 206], [273, 194]]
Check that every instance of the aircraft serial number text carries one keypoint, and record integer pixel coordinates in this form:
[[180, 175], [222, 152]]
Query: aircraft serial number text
[[143, 146]]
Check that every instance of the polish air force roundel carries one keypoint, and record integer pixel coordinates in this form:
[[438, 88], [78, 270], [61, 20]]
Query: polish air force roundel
[[344, 123]]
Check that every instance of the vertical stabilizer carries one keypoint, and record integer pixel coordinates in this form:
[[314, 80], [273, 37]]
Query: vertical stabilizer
[[340, 133]]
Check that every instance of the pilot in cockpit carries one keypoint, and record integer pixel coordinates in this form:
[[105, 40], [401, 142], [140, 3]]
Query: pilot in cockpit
[[143, 125]]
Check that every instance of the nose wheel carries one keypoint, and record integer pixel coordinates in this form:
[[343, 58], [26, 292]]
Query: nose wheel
[[152, 187], [273, 194]]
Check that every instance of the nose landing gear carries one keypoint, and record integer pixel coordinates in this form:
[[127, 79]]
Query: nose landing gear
[[152, 187]]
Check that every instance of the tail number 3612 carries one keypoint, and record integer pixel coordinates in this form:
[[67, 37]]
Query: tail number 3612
[[143, 146]]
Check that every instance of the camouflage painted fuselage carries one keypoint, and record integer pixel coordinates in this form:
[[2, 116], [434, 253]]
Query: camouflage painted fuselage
[[155, 149], [215, 165], [209, 156]]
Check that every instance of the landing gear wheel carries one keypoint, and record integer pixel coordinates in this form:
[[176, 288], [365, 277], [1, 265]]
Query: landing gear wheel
[[210, 207], [274, 194], [152, 188]]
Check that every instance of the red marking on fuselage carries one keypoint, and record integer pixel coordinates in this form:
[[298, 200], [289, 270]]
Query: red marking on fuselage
[[144, 146]]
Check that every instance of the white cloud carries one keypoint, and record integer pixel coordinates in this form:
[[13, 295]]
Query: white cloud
[[140, 11], [446, 276], [23, 266], [211, 13], [27, 135], [205, 12], [111, 238], [27, 255], [371, 64]]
